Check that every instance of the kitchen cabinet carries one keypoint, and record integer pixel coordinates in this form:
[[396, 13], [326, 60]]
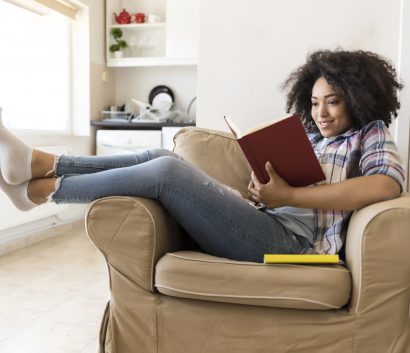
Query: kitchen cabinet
[[110, 142], [122, 138], [172, 39]]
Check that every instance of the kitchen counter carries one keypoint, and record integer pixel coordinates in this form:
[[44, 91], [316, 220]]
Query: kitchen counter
[[118, 125]]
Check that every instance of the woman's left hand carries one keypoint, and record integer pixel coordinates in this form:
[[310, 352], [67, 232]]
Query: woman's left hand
[[275, 193]]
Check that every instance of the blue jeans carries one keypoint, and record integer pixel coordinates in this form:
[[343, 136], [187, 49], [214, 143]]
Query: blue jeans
[[220, 222]]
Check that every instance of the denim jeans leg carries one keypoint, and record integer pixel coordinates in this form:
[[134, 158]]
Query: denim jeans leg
[[66, 165], [221, 223]]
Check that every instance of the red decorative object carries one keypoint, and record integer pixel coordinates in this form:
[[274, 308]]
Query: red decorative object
[[123, 18], [139, 17]]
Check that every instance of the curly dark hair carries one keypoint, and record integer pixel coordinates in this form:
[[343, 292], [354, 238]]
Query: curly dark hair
[[366, 80]]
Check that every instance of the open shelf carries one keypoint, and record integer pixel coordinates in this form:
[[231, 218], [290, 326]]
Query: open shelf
[[171, 41], [150, 61], [139, 26]]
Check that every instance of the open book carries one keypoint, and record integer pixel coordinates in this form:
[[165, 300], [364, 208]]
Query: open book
[[285, 145]]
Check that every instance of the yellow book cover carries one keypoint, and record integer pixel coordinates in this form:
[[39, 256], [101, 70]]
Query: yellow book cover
[[300, 259]]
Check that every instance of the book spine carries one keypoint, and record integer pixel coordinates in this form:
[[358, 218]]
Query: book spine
[[252, 161]]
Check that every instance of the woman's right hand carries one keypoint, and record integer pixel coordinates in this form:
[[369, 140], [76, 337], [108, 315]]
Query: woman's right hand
[[275, 193]]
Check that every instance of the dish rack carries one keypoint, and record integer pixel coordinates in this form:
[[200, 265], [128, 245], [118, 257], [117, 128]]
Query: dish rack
[[110, 115]]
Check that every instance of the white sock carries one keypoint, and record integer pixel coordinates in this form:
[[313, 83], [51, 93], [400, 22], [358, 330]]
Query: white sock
[[15, 157], [17, 195]]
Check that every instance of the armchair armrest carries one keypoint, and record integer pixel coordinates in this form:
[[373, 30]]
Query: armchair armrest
[[377, 254], [133, 234], [377, 248]]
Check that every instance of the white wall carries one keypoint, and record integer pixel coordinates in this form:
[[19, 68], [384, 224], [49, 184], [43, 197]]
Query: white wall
[[101, 91], [137, 83], [402, 131], [247, 48]]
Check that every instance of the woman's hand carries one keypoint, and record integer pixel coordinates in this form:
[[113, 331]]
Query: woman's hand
[[275, 193]]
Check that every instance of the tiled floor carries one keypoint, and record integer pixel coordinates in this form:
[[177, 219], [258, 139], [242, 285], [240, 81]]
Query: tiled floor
[[52, 296]]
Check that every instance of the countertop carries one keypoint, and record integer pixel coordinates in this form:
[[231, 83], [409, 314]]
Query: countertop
[[106, 124]]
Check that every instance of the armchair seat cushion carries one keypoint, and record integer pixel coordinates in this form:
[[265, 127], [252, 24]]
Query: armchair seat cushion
[[195, 275]]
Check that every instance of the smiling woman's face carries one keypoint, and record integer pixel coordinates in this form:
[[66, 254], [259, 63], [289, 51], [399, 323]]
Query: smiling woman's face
[[329, 109]]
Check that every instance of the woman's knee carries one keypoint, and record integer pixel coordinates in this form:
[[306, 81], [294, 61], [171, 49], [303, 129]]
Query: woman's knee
[[168, 167], [160, 152]]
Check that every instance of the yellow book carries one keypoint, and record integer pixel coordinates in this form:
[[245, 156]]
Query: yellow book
[[300, 259]]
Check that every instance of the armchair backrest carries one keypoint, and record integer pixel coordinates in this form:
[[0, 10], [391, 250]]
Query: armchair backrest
[[216, 153]]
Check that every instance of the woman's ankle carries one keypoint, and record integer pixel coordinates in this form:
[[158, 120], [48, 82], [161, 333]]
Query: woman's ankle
[[42, 164], [39, 190]]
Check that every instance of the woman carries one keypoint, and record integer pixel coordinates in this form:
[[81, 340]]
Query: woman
[[346, 100]]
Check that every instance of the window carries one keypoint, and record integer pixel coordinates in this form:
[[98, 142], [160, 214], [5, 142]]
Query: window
[[35, 69]]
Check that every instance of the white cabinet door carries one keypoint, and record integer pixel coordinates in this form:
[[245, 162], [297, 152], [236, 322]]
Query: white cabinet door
[[111, 142], [168, 133], [182, 28]]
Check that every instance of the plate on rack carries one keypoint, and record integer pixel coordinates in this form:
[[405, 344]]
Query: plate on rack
[[161, 98]]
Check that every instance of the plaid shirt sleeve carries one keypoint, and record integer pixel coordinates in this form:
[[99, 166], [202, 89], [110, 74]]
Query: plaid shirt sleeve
[[380, 154]]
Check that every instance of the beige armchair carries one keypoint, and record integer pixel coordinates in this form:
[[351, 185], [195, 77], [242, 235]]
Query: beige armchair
[[167, 297]]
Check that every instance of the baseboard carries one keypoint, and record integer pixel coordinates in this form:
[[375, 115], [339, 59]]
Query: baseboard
[[29, 234]]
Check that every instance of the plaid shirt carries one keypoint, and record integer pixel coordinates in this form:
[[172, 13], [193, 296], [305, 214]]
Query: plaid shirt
[[368, 151]]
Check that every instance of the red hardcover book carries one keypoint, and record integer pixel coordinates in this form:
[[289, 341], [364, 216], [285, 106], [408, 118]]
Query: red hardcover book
[[285, 145]]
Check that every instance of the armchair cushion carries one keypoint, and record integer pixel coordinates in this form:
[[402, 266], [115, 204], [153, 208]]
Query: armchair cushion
[[197, 275]]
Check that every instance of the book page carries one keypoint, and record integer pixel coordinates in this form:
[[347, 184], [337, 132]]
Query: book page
[[237, 132], [232, 126]]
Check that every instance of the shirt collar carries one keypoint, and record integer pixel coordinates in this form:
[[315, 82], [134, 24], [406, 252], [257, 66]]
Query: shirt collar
[[315, 137]]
